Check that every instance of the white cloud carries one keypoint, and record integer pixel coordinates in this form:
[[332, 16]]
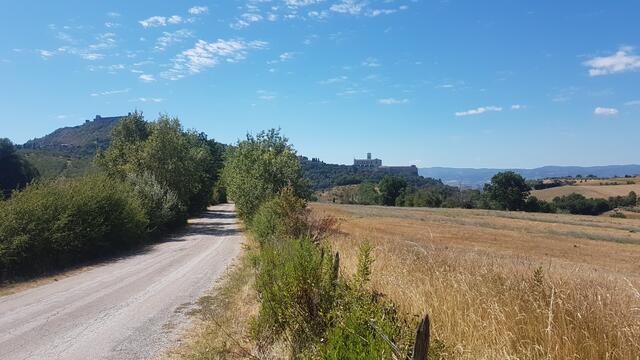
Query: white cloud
[[91, 56], [197, 10], [517, 107], [301, 3], [393, 101], [480, 110], [146, 99], [207, 55], [371, 62], [169, 38], [323, 14], [245, 20], [45, 54], [110, 92], [147, 78], [156, 21], [113, 14], [632, 103], [622, 61], [153, 21], [334, 80], [351, 7], [605, 111], [266, 95], [175, 19]]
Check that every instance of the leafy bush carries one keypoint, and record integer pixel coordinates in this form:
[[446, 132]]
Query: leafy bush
[[259, 168], [161, 205], [186, 162], [283, 217], [533, 204], [51, 225], [16, 171], [580, 205]]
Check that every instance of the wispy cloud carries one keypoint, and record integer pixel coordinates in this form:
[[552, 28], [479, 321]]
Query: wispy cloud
[[351, 7], [148, 99], [518, 107], [622, 61], [334, 80], [478, 111], [109, 92], [147, 78], [197, 10], [156, 21], [209, 54], [633, 103], [169, 38], [46, 54], [266, 95], [393, 101], [371, 62], [604, 111]]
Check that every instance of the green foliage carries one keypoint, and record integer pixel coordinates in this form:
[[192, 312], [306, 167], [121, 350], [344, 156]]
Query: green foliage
[[186, 162], [16, 171], [259, 168], [578, 204], [161, 205], [53, 163], [533, 204], [390, 189], [507, 191], [280, 218], [323, 176], [367, 194], [295, 286], [51, 225], [365, 262]]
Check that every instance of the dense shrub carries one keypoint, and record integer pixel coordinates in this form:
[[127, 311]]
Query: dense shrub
[[15, 171], [580, 205], [50, 225], [533, 204], [161, 204], [259, 168], [282, 217], [186, 162]]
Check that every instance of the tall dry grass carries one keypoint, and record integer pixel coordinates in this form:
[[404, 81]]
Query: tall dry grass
[[487, 305]]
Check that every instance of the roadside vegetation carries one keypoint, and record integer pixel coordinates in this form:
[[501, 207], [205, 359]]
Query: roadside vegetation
[[153, 176], [307, 307]]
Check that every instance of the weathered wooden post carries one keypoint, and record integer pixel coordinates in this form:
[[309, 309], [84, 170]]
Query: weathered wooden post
[[335, 269], [421, 347]]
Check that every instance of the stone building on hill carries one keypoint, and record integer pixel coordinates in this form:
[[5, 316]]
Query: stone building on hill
[[370, 163]]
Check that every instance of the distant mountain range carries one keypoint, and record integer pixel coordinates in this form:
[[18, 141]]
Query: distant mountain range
[[477, 177]]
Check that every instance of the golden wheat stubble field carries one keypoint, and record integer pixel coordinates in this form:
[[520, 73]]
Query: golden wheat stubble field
[[505, 285], [591, 189]]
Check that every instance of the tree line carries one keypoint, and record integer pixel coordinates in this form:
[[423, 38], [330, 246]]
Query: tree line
[[152, 177], [506, 191]]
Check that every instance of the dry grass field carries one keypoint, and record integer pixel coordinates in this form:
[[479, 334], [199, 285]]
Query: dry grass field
[[504, 285], [592, 189]]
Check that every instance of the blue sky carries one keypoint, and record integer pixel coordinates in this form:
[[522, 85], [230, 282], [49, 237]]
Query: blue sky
[[432, 83]]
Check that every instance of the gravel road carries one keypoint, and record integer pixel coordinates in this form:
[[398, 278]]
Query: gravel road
[[130, 308]]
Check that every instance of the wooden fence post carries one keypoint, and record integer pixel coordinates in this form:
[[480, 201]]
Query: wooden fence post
[[421, 346]]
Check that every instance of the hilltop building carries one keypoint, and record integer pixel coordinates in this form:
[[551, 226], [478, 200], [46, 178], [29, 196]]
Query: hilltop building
[[368, 162], [377, 164]]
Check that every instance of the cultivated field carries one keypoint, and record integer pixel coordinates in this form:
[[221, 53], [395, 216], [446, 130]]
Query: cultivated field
[[504, 285], [592, 189]]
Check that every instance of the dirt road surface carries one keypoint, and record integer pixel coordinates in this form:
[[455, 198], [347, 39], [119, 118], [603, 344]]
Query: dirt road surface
[[130, 308]]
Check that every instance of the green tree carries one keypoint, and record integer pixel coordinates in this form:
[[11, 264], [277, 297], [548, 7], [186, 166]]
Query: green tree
[[15, 171], [185, 162], [367, 194], [507, 191], [258, 168], [390, 188]]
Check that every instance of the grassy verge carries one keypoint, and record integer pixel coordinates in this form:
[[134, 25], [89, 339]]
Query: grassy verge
[[222, 329]]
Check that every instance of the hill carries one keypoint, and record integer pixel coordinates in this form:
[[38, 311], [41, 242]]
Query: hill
[[324, 176], [82, 139], [69, 151], [476, 178]]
